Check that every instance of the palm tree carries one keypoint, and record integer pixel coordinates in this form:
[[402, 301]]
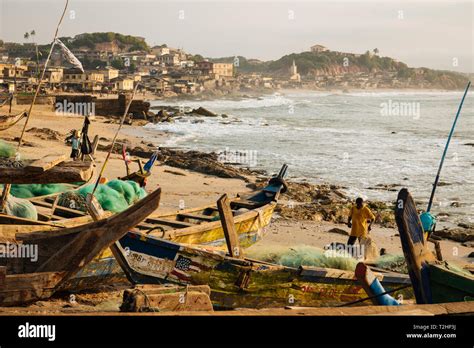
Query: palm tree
[[26, 36], [33, 34]]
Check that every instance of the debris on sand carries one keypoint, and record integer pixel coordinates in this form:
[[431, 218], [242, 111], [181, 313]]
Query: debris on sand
[[45, 133]]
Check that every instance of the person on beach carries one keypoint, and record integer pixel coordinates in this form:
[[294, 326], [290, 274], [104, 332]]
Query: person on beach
[[358, 217], [75, 145]]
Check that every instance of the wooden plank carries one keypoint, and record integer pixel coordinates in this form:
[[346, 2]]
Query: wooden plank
[[46, 163], [227, 221], [62, 173], [244, 203], [59, 208], [172, 223], [215, 209], [162, 298], [21, 289], [196, 217], [3, 274]]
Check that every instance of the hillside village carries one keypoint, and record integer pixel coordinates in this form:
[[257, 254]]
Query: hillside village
[[114, 62]]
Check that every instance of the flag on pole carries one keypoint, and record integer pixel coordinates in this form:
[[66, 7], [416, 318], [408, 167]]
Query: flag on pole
[[69, 56], [148, 165]]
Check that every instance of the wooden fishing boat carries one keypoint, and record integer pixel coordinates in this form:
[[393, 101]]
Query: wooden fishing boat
[[60, 255], [8, 121], [252, 213], [433, 281], [67, 171], [238, 283]]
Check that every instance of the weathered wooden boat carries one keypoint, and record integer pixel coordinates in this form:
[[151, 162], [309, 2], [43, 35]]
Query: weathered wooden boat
[[67, 171], [237, 283], [252, 213], [8, 121], [64, 252], [433, 281]]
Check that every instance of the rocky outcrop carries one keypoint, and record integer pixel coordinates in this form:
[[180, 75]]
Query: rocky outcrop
[[324, 202], [458, 234]]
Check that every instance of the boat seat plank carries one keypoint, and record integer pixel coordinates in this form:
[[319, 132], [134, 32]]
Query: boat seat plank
[[216, 209], [172, 223], [60, 208], [197, 217], [244, 203], [46, 163]]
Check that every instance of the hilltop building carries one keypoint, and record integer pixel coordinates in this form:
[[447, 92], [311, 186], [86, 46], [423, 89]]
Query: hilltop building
[[319, 48]]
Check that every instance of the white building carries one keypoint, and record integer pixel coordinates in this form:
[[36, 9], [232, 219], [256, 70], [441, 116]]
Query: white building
[[318, 48]]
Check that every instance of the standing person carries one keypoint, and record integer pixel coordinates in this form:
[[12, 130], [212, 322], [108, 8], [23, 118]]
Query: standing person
[[75, 144], [358, 217]]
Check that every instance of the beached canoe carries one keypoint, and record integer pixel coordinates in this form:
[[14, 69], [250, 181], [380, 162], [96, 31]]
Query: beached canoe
[[238, 283], [8, 121], [56, 257], [64, 172], [433, 281]]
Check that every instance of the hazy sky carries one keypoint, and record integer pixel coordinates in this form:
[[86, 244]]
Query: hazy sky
[[435, 34]]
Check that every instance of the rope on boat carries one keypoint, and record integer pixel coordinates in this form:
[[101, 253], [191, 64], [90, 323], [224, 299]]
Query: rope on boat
[[375, 296]]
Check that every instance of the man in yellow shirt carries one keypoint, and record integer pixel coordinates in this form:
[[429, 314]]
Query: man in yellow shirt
[[358, 218]]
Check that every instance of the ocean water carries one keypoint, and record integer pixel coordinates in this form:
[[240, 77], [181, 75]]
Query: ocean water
[[357, 140]]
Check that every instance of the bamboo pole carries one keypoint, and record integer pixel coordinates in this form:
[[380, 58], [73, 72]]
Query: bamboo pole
[[42, 76], [430, 203], [115, 138]]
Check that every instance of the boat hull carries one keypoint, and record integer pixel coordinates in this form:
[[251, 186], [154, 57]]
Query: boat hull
[[449, 285], [237, 283]]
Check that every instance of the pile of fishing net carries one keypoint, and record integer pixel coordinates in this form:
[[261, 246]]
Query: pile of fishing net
[[20, 208], [115, 196], [304, 255], [6, 150], [35, 190]]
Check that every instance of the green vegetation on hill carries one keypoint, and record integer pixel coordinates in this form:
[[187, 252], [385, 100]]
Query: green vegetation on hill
[[310, 62], [91, 39]]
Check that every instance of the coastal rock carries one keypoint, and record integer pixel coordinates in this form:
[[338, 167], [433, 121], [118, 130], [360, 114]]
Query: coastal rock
[[456, 234], [204, 112], [206, 163]]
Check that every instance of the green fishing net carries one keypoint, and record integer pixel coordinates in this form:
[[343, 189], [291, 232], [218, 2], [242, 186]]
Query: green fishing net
[[6, 150], [35, 190], [115, 196], [304, 255], [20, 208], [395, 263]]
